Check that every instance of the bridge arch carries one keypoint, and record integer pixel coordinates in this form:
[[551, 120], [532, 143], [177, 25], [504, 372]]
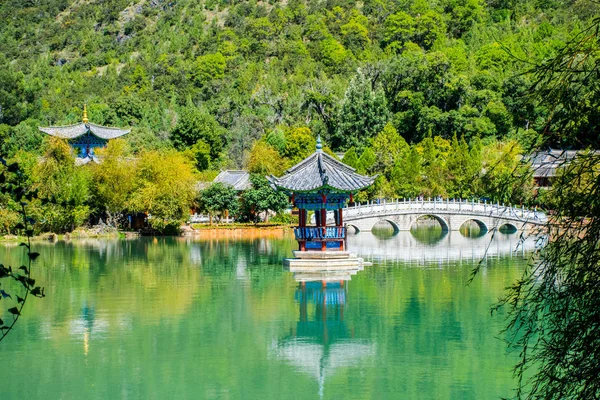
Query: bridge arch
[[508, 228], [483, 229], [387, 221], [443, 223], [355, 228]]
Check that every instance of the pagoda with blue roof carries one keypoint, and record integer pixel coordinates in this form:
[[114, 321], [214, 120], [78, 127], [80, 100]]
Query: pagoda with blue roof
[[320, 183], [85, 137]]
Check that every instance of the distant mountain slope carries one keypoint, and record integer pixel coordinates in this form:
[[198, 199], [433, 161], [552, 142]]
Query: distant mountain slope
[[342, 68]]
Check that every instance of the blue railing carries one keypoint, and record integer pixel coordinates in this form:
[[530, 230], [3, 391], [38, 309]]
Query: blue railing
[[320, 233]]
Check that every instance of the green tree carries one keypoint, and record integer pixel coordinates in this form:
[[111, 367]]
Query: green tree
[[209, 67], [434, 155], [217, 199], [464, 168], [351, 158], [299, 144], [388, 147], [200, 153], [399, 28], [57, 177], [362, 114], [164, 188], [262, 198], [333, 53], [429, 28], [355, 34], [12, 93], [406, 175], [276, 138], [196, 124], [265, 160], [367, 161], [506, 179], [112, 180]]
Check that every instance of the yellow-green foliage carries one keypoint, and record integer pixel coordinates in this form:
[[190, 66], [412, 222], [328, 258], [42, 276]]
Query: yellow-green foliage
[[265, 160], [113, 179], [56, 177], [164, 187]]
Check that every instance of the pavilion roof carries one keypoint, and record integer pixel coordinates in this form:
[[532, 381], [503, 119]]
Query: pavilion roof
[[74, 131], [319, 171], [238, 179]]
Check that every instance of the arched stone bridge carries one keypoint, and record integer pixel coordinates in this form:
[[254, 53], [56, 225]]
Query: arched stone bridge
[[451, 214]]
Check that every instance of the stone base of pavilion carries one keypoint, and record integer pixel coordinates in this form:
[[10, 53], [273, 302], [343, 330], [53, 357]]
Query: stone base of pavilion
[[322, 261], [308, 275]]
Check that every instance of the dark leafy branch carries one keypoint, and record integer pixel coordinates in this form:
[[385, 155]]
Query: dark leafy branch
[[12, 184], [554, 308]]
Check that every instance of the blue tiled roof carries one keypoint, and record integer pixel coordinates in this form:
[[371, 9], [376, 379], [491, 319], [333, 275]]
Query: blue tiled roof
[[318, 171]]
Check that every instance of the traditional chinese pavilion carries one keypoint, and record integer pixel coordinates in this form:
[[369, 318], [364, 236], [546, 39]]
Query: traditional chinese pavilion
[[85, 137], [320, 183]]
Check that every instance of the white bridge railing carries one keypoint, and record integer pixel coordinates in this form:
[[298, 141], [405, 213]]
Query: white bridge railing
[[444, 206]]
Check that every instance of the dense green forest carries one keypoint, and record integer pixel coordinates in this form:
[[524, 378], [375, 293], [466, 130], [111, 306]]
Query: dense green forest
[[341, 68], [431, 95]]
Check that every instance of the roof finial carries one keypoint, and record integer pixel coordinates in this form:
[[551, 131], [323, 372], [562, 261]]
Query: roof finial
[[85, 117], [319, 144]]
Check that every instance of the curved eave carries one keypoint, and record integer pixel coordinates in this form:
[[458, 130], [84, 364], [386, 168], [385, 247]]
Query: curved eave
[[107, 133], [77, 130], [65, 132], [277, 186]]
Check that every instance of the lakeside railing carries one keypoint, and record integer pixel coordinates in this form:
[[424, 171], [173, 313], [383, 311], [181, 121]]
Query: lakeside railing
[[325, 233]]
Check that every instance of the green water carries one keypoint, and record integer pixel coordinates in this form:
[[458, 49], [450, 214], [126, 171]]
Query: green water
[[221, 319]]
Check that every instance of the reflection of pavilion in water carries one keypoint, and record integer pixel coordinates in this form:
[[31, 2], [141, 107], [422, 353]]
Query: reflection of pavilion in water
[[445, 247], [322, 342]]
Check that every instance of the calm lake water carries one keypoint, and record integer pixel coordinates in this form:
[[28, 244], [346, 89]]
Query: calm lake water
[[219, 318]]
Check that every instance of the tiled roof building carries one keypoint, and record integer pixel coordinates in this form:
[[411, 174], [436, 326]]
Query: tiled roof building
[[85, 137], [238, 179], [319, 172]]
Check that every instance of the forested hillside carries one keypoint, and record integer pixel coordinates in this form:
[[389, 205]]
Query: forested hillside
[[248, 69], [428, 94]]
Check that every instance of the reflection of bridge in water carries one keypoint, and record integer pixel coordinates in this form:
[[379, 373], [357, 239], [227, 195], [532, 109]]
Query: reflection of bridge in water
[[446, 247], [451, 214]]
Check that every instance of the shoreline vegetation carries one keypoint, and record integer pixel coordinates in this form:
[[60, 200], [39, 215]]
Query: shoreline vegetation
[[216, 230], [247, 230]]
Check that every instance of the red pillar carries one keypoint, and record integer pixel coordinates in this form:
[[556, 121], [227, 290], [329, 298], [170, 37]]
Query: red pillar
[[304, 223], [341, 224], [324, 225]]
